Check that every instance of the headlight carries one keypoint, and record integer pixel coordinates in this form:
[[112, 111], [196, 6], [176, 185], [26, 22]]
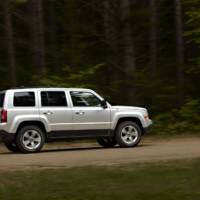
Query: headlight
[[146, 114]]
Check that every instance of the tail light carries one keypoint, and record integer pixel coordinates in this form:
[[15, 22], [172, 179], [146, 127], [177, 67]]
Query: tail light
[[3, 116]]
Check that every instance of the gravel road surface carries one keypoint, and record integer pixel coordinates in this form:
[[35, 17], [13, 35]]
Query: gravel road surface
[[87, 154]]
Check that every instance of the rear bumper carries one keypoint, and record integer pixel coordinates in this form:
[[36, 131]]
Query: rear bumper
[[5, 136]]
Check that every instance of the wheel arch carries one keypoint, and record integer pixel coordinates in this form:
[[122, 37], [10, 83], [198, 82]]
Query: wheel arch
[[132, 119], [32, 123]]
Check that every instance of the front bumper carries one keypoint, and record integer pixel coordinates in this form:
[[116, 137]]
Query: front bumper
[[148, 129]]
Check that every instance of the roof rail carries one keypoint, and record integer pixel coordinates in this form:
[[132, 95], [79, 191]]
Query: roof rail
[[27, 87]]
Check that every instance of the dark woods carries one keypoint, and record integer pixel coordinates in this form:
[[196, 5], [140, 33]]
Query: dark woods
[[133, 52]]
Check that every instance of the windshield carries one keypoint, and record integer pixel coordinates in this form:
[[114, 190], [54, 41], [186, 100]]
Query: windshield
[[2, 94]]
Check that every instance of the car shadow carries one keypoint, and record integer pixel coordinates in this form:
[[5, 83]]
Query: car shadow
[[87, 148], [71, 149]]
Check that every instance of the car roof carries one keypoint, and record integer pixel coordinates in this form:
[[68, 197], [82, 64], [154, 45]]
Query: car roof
[[48, 88]]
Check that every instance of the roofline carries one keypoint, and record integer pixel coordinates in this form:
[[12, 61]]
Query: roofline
[[45, 87], [31, 87]]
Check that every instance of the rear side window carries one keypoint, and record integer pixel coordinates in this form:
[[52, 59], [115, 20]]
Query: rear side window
[[24, 99], [2, 95], [53, 98]]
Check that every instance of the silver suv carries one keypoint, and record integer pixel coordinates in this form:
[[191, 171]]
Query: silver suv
[[29, 117]]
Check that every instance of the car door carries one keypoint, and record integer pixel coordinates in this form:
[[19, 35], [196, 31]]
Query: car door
[[55, 110], [88, 114]]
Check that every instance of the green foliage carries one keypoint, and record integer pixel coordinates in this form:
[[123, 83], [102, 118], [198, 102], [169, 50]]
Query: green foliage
[[76, 39], [192, 32], [69, 78], [19, 1], [184, 120]]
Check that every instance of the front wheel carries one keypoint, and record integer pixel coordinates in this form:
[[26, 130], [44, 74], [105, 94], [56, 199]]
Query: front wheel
[[30, 139], [128, 134]]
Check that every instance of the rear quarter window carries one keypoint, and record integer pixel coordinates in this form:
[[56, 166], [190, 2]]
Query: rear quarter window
[[24, 99], [2, 95]]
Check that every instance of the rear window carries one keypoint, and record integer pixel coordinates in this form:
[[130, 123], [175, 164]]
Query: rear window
[[52, 98], [2, 95], [24, 99]]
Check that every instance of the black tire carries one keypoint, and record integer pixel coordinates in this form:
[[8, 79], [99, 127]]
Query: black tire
[[11, 146], [106, 142], [21, 135], [120, 136]]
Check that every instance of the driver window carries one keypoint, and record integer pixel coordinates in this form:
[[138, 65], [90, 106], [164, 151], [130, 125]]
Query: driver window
[[84, 99]]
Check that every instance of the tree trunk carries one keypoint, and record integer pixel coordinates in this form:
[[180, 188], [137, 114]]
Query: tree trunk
[[10, 43], [52, 34], [128, 52], [111, 35], [179, 50], [127, 38], [37, 36], [153, 37]]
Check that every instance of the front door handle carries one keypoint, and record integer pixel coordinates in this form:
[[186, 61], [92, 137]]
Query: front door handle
[[48, 113], [80, 112]]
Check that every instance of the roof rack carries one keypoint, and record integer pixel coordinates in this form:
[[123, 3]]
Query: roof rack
[[27, 87]]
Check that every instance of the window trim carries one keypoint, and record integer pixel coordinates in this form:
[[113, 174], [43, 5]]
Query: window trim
[[35, 103], [46, 91], [4, 95], [84, 106]]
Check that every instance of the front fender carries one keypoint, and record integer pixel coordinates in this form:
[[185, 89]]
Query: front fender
[[120, 115]]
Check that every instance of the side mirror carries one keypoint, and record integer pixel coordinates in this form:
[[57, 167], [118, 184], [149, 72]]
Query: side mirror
[[104, 104]]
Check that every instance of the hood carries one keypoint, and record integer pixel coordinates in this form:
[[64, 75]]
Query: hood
[[130, 108]]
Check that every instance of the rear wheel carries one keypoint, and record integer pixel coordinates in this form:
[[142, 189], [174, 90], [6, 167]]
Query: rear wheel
[[30, 139], [128, 134], [11, 146], [107, 142]]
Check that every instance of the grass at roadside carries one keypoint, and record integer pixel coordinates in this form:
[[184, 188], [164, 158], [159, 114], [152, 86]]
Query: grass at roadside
[[161, 181]]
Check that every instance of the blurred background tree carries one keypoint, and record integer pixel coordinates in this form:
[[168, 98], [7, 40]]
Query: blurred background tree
[[133, 52]]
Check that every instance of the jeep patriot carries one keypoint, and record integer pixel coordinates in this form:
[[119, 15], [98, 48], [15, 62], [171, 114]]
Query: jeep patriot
[[29, 117]]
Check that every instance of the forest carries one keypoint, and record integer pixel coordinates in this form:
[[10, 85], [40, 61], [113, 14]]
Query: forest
[[132, 52]]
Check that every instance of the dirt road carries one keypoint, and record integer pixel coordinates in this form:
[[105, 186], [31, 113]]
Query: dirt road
[[72, 155]]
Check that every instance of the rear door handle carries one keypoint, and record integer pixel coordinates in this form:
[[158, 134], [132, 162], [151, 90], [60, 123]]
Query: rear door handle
[[80, 112], [48, 113]]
